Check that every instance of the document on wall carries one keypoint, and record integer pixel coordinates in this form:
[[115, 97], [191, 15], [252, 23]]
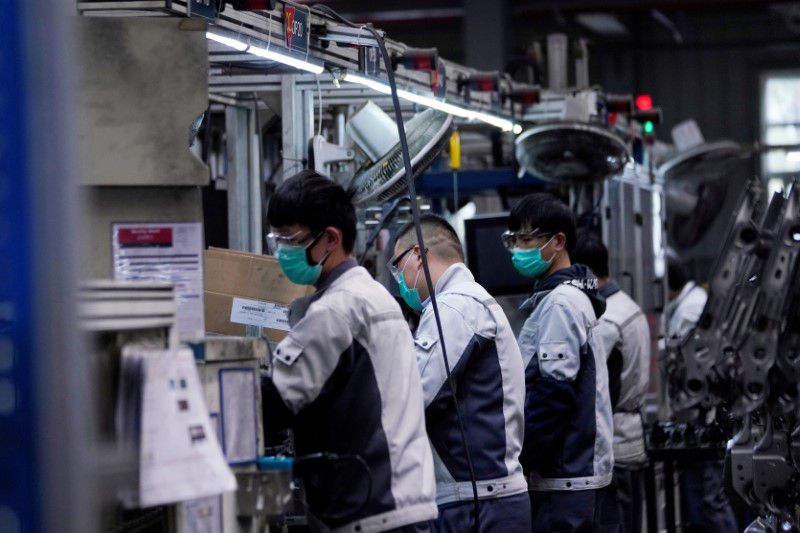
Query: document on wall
[[180, 457], [171, 252]]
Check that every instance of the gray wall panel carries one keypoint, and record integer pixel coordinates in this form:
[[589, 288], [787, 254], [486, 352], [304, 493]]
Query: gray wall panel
[[140, 83], [131, 204]]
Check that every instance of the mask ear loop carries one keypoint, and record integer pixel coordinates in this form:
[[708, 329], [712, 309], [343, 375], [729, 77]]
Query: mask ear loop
[[544, 246], [416, 279], [406, 263]]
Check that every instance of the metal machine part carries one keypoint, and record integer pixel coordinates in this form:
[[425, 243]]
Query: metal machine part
[[571, 152], [743, 354], [427, 133], [696, 185]]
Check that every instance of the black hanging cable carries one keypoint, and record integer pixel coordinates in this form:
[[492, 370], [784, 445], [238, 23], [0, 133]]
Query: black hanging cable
[[415, 214]]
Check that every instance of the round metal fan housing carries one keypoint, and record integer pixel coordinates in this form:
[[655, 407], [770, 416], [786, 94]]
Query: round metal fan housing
[[707, 162], [696, 189], [426, 134], [573, 153]]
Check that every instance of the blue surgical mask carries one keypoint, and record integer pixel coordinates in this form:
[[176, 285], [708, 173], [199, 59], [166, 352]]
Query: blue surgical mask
[[294, 263], [530, 262], [409, 295]]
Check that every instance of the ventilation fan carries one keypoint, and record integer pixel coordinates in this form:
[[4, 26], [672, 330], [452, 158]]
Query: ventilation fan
[[696, 184], [572, 153], [380, 181]]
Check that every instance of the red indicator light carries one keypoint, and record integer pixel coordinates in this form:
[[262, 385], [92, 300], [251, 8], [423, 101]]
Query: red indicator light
[[644, 102]]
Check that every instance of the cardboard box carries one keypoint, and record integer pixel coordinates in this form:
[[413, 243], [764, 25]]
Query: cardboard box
[[243, 288], [222, 348]]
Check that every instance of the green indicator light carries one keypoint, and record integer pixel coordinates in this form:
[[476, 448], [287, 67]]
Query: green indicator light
[[648, 127]]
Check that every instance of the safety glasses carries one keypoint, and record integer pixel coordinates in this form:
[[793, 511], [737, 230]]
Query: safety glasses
[[392, 264], [276, 239], [511, 239]]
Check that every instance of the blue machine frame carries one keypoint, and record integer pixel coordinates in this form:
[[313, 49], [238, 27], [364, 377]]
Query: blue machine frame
[[19, 469]]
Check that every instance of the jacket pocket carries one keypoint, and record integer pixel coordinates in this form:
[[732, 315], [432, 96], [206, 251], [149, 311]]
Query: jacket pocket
[[426, 343]]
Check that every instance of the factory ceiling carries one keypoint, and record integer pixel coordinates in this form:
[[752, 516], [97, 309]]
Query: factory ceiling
[[481, 33]]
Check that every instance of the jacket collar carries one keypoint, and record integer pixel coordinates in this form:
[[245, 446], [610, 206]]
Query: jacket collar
[[611, 287], [455, 274], [335, 274], [576, 275]]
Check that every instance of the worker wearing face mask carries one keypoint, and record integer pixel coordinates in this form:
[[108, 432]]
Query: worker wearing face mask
[[567, 453], [487, 372], [345, 379]]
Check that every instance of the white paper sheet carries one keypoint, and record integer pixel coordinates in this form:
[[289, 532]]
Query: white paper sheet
[[258, 313], [171, 252], [180, 458]]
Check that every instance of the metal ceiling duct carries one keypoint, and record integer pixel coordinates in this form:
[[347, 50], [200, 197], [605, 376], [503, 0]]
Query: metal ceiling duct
[[572, 153]]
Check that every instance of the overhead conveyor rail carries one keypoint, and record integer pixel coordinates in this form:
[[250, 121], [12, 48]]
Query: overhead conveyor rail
[[339, 48]]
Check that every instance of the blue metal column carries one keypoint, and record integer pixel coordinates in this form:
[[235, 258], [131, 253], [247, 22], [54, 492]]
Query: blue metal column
[[19, 468], [44, 437]]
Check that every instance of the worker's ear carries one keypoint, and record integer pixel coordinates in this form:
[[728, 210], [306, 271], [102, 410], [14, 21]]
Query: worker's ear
[[418, 253], [334, 238], [559, 241]]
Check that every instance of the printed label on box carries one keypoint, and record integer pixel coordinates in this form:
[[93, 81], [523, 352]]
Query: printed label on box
[[257, 313]]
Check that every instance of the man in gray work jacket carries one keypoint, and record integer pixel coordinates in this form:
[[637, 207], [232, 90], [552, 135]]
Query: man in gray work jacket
[[488, 375], [624, 334], [568, 426], [345, 378]]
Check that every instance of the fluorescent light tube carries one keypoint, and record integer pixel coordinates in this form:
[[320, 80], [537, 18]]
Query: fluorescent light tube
[[267, 53], [227, 41], [427, 101], [280, 57], [793, 157]]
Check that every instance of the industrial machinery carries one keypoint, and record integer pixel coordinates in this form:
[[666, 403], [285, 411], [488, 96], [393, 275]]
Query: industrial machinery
[[571, 141], [380, 176], [743, 356]]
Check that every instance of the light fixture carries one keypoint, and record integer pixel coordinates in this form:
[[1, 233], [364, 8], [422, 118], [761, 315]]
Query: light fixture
[[227, 41], [427, 101], [793, 157], [268, 53], [345, 35]]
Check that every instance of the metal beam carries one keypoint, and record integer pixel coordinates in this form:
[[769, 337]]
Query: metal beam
[[237, 140], [298, 128]]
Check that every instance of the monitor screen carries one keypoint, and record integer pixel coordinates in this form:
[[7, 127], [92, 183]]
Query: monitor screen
[[488, 259]]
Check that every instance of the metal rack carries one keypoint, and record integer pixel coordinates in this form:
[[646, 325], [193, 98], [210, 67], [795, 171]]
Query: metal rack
[[305, 99], [242, 72]]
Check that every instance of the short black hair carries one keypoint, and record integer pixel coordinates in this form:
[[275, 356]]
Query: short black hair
[[677, 274], [438, 234], [545, 212], [590, 251], [314, 201]]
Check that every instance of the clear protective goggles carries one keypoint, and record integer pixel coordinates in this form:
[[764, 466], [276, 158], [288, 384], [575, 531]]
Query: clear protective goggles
[[276, 239], [512, 239], [393, 263]]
